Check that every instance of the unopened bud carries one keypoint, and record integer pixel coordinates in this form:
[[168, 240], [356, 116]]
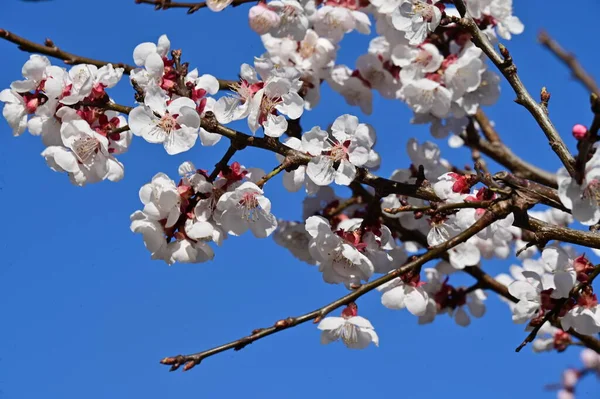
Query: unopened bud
[[168, 360], [503, 51], [545, 96], [189, 365], [281, 324], [579, 132]]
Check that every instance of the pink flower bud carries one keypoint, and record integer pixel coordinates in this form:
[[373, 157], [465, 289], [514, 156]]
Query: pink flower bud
[[262, 18], [579, 131]]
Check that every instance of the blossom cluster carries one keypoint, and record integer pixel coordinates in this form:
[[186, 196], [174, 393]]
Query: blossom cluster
[[81, 139], [441, 76], [180, 219]]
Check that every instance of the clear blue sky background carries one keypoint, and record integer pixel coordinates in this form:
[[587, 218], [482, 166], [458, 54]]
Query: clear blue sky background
[[86, 314]]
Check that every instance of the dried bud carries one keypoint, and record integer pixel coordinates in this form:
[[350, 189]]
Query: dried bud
[[579, 132]]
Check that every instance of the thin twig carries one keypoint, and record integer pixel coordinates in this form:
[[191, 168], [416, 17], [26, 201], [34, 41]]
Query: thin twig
[[224, 162], [505, 65], [570, 61], [278, 169]]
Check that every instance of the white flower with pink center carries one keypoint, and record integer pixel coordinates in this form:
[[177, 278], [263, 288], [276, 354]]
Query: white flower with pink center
[[89, 81], [278, 95], [340, 260], [426, 58], [355, 331], [464, 75], [427, 96], [86, 158], [416, 18], [338, 155], [246, 208], [582, 197], [176, 126], [237, 106]]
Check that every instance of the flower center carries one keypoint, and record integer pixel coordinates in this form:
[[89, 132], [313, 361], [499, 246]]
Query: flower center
[[338, 152], [249, 205], [306, 49], [424, 10], [86, 148], [349, 334], [332, 21], [267, 106], [423, 58], [168, 123], [592, 192], [289, 14]]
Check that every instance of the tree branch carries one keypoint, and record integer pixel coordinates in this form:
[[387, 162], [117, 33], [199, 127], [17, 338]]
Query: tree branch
[[570, 61], [500, 153], [505, 65]]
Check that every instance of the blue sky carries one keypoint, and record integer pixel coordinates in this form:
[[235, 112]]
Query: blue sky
[[86, 313]]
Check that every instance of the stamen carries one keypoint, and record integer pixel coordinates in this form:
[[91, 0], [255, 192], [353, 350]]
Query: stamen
[[349, 334], [249, 206], [86, 148]]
